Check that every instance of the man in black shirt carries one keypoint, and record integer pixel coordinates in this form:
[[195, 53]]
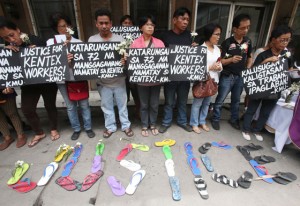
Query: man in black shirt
[[179, 36], [236, 56]]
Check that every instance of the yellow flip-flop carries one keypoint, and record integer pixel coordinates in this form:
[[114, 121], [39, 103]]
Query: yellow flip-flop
[[62, 150], [141, 147], [169, 142]]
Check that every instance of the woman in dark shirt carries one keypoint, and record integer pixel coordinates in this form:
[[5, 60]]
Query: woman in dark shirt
[[280, 37], [30, 94]]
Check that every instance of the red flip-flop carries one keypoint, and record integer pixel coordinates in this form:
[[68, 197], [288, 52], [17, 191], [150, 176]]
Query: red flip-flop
[[23, 186], [124, 152], [66, 182], [90, 180]]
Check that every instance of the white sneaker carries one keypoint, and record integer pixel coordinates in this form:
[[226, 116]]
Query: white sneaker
[[259, 137], [246, 136]]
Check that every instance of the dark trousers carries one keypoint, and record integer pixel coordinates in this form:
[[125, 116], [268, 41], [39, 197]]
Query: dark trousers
[[149, 98], [30, 96], [267, 106], [9, 108]]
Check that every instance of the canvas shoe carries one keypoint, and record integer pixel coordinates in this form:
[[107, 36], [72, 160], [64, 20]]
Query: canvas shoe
[[246, 136]]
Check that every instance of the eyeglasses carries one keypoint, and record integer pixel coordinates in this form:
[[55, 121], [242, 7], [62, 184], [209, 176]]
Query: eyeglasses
[[244, 28], [285, 40], [217, 34]]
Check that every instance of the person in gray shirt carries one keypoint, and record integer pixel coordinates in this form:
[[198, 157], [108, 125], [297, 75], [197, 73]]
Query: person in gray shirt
[[113, 89]]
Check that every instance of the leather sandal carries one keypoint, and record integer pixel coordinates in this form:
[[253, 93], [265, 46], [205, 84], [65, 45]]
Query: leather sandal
[[21, 141], [5, 144]]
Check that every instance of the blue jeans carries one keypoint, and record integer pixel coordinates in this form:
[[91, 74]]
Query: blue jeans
[[108, 95], [149, 98], [267, 106], [181, 89], [233, 84], [199, 111], [73, 113]]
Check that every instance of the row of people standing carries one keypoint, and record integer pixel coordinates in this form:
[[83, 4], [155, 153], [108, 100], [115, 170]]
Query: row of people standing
[[113, 90]]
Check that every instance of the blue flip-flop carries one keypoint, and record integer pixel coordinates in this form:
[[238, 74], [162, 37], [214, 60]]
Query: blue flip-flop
[[68, 167], [193, 163], [260, 170], [207, 163], [221, 145], [188, 148], [77, 151], [174, 182]]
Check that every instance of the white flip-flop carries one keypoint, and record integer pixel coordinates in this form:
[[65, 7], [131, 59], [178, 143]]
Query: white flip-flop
[[136, 178], [131, 165], [169, 163], [48, 172]]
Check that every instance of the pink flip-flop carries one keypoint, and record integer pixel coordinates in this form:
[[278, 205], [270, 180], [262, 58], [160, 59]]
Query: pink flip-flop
[[90, 180], [23, 186], [115, 186], [124, 152], [66, 182]]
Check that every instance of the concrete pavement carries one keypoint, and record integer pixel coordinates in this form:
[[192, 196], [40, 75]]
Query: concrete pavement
[[154, 189]]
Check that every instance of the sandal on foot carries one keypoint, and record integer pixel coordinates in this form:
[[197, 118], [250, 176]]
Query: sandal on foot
[[36, 139], [54, 135], [145, 132], [107, 133], [128, 132], [154, 130]]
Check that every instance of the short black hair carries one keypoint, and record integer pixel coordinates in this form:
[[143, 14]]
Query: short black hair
[[181, 11], [144, 19], [102, 12], [123, 18], [209, 30], [280, 30], [4, 22], [237, 20], [56, 17]]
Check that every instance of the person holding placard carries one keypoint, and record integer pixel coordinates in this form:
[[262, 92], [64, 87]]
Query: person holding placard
[[30, 94], [280, 37], [8, 107], [200, 106], [148, 92], [61, 25], [113, 89], [236, 57], [179, 35]]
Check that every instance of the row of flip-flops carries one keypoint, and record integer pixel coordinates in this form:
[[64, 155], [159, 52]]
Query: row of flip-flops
[[194, 166], [257, 164]]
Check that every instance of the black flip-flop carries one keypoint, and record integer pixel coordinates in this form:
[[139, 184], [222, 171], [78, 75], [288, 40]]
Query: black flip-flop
[[245, 152], [201, 186], [253, 147], [284, 177], [263, 159], [245, 180], [204, 148]]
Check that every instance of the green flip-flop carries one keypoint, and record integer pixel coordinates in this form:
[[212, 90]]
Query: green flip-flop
[[18, 172], [167, 151], [100, 148]]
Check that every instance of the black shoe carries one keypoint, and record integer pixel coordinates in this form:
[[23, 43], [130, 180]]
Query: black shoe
[[186, 127], [235, 125], [90, 133], [75, 135], [163, 128], [215, 125]]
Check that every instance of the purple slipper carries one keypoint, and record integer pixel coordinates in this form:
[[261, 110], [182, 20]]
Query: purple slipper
[[116, 186], [96, 164]]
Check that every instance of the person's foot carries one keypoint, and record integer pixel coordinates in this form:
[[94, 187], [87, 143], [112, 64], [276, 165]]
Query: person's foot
[[36, 139], [246, 136], [145, 132], [75, 135], [215, 125], [235, 125], [186, 127], [163, 128], [196, 129], [5, 144], [107, 133], [21, 141], [204, 127], [259, 137], [54, 135], [90, 133], [128, 132], [154, 130]]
